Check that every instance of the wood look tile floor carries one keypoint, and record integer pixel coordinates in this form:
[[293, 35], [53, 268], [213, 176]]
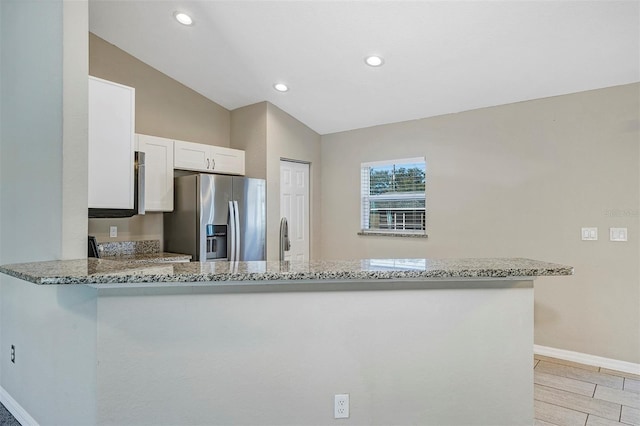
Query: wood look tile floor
[[567, 393]]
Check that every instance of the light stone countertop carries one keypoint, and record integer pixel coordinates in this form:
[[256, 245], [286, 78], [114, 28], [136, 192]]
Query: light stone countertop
[[162, 256], [102, 271]]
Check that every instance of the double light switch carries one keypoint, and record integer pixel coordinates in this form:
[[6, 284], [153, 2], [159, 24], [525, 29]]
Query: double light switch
[[615, 234], [589, 234], [618, 234]]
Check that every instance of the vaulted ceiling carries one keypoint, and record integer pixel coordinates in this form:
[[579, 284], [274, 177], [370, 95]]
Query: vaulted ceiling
[[440, 56]]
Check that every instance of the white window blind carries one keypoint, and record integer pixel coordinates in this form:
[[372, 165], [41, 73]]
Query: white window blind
[[393, 196]]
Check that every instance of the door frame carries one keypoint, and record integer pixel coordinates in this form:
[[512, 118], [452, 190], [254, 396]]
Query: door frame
[[309, 195]]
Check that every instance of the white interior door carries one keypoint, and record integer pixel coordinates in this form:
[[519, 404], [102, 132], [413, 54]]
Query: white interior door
[[294, 205]]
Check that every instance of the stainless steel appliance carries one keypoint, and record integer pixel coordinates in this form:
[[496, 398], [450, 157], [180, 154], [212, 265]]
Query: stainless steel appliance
[[217, 217]]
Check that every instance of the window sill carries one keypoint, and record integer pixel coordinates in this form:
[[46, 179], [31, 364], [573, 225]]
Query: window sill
[[391, 234]]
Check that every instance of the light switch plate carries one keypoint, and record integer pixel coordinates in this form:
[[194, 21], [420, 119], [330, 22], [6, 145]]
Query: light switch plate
[[589, 234], [618, 234]]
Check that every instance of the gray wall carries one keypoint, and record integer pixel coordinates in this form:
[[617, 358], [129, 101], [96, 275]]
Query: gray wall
[[279, 358], [1, 161], [32, 137], [43, 48], [517, 180]]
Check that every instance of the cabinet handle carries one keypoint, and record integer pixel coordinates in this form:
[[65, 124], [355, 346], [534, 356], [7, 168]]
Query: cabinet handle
[[213, 164], [207, 164]]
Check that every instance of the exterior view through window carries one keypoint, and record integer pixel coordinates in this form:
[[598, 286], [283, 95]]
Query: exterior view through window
[[393, 196]]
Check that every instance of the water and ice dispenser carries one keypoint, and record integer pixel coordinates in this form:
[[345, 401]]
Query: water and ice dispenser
[[216, 241]]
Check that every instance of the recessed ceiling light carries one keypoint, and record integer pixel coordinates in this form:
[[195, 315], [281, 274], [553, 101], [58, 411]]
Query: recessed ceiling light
[[281, 87], [374, 61], [183, 18]]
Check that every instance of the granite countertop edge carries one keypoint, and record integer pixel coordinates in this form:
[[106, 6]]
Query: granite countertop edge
[[132, 272], [148, 257]]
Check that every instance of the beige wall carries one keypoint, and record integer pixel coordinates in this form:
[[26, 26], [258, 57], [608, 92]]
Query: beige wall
[[517, 180], [164, 108], [288, 138], [147, 227], [269, 134], [75, 130], [249, 133]]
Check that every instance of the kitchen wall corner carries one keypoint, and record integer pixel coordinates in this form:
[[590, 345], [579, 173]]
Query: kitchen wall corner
[[164, 108], [289, 138], [249, 133], [268, 134]]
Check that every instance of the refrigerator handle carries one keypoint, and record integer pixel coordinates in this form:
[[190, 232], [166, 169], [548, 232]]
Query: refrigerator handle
[[232, 231], [237, 232]]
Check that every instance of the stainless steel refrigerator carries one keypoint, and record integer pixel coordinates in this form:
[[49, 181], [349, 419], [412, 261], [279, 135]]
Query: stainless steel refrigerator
[[217, 217]]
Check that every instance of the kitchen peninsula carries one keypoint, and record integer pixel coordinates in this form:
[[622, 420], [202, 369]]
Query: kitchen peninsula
[[412, 341]]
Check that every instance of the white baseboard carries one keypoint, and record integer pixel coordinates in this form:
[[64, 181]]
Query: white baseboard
[[16, 409], [598, 361]]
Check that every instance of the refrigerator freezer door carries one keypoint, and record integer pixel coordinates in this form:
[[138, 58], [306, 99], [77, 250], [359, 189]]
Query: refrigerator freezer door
[[251, 213]]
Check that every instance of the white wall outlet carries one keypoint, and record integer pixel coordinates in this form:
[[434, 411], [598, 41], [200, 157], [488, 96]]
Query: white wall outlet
[[589, 234], [113, 231], [618, 234], [341, 406]]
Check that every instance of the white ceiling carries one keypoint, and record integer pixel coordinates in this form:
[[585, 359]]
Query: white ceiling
[[440, 56]]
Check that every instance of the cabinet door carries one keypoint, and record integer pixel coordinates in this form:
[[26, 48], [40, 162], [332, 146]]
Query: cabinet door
[[158, 183], [111, 140], [191, 156], [227, 160]]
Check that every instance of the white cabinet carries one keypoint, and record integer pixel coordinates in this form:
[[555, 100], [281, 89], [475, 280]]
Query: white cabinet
[[227, 160], [158, 185], [111, 144], [191, 156], [208, 158]]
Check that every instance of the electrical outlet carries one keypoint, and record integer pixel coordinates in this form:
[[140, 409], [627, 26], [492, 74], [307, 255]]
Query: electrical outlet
[[341, 406], [113, 231], [13, 354]]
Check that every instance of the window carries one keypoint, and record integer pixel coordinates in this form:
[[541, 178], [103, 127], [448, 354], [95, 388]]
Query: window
[[393, 196]]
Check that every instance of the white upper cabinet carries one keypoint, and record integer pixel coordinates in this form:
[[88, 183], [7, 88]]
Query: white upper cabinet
[[227, 160], [208, 158], [111, 144], [158, 185], [191, 156]]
